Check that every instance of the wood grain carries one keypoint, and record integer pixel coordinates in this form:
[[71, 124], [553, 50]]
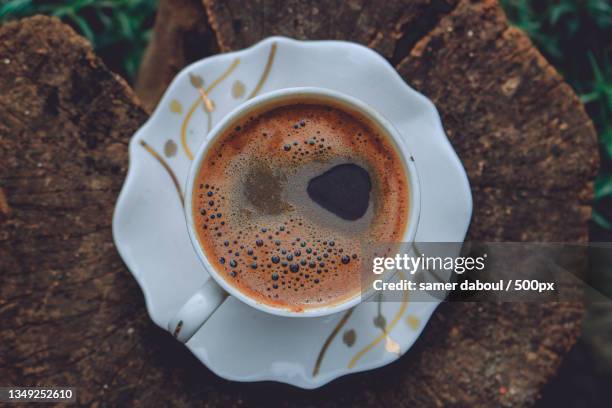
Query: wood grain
[[72, 314]]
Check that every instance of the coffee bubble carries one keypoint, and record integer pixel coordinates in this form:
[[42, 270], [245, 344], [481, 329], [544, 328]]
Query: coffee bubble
[[298, 190]]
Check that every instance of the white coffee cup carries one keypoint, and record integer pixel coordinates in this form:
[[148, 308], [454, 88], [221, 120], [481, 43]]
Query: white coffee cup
[[203, 303]]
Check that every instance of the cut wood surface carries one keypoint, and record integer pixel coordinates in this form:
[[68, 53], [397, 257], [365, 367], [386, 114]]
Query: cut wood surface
[[71, 313], [181, 37]]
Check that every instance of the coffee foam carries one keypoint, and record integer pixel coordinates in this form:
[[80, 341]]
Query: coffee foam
[[256, 222]]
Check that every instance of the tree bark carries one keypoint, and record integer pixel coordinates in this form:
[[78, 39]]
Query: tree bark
[[181, 36], [72, 314]]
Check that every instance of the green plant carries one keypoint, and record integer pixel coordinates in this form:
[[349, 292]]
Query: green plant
[[118, 29], [575, 37]]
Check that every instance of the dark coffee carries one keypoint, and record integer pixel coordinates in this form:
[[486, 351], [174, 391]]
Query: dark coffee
[[286, 199]]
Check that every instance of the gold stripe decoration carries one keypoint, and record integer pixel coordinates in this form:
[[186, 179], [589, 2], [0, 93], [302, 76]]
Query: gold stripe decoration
[[392, 346], [238, 89], [177, 329], [385, 334], [223, 76], [413, 322], [265, 73], [170, 148], [381, 322], [329, 340], [349, 337], [166, 167], [198, 83], [176, 107]]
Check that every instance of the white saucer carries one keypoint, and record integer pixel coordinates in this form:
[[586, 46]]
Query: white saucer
[[238, 342]]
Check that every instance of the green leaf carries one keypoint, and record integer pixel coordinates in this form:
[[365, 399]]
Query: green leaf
[[603, 186], [559, 10], [14, 7], [601, 220], [84, 28]]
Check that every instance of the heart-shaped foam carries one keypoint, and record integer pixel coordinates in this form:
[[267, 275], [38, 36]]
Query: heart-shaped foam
[[343, 190]]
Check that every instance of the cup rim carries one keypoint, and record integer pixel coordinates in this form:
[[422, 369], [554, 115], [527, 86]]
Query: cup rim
[[291, 94]]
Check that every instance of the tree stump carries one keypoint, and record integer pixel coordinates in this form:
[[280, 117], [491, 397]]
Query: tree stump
[[181, 36], [73, 315]]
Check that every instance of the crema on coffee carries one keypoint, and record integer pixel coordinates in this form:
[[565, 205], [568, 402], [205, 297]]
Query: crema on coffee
[[287, 198]]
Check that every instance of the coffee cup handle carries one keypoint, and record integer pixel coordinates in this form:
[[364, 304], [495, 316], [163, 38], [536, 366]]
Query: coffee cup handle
[[196, 311]]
